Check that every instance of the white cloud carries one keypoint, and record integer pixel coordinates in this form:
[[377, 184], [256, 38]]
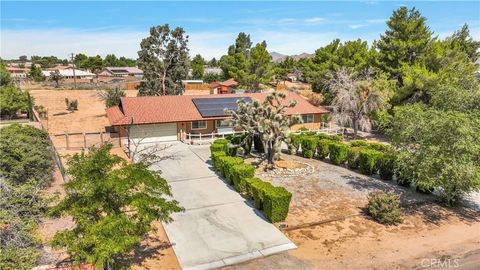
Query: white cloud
[[356, 26], [315, 20], [62, 42], [372, 21]]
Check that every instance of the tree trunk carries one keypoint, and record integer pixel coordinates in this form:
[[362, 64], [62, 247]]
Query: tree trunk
[[355, 128], [163, 81], [270, 155]]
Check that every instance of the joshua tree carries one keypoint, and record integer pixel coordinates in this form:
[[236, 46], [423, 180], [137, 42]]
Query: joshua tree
[[267, 120], [56, 77], [355, 98]]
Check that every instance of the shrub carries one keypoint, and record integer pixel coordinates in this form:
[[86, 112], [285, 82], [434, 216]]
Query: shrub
[[276, 203], [249, 182], [384, 208], [404, 168], [380, 147], [338, 153], [231, 149], [215, 147], [214, 158], [334, 138], [358, 143], [353, 158], [221, 141], [368, 161], [309, 144], [295, 142], [323, 148], [72, 105], [257, 189], [238, 174], [424, 187], [226, 162], [386, 165]]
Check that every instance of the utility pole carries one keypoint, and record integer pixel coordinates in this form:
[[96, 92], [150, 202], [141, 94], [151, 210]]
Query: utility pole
[[74, 78]]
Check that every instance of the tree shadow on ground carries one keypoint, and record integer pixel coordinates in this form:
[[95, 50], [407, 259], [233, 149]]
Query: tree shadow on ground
[[151, 247]]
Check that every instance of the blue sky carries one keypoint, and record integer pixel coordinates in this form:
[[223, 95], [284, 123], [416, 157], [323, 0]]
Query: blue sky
[[58, 28]]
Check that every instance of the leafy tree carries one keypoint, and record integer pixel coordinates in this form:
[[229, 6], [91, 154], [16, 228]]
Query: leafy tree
[[356, 98], [404, 42], [213, 62], [56, 77], [113, 204], [81, 61], [36, 73], [267, 121], [462, 41], [12, 100], [23, 58], [111, 60], [443, 148], [112, 96], [198, 64], [259, 67], [95, 63], [164, 60], [25, 154], [5, 78], [212, 77]]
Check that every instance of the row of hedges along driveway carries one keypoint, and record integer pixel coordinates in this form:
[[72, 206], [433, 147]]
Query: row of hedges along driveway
[[218, 227]]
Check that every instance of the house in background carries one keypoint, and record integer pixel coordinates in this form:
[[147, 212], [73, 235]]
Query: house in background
[[121, 72], [169, 118], [226, 87], [195, 87], [70, 74], [17, 72]]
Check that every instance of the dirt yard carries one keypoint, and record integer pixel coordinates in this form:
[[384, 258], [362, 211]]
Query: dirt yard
[[328, 224]]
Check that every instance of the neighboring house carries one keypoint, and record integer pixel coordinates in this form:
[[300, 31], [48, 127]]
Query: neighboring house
[[68, 74], [226, 87], [121, 72], [61, 67], [213, 70], [195, 87], [169, 118], [17, 72]]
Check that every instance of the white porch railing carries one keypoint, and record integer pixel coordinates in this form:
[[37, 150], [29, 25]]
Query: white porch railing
[[325, 129], [207, 136]]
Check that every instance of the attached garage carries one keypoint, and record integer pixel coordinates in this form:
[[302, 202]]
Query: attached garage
[[152, 133]]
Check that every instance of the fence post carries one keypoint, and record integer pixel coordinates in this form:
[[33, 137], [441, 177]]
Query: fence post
[[200, 136], [101, 137], [66, 140], [84, 140]]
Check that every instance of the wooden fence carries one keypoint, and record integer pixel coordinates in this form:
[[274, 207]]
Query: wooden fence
[[84, 140], [194, 86]]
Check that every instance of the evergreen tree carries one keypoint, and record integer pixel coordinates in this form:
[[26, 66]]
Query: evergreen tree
[[198, 67], [164, 60]]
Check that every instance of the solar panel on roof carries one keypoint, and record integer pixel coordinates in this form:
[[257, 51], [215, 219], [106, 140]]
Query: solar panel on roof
[[212, 107]]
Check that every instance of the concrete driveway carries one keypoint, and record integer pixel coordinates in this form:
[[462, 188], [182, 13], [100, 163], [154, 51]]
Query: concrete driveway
[[218, 227]]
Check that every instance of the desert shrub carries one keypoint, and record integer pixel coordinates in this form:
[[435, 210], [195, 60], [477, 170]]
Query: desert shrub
[[386, 165], [238, 174], [309, 145], [214, 158], [323, 148], [25, 154], [338, 153], [384, 208], [368, 161], [353, 158], [358, 143], [276, 203], [72, 105]]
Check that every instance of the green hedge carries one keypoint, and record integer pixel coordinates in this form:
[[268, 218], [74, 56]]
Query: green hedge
[[379, 147], [215, 147], [334, 138], [358, 143], [386, 166], [257, 192], [238, 174], [295, 142], [323, 148], [276, 203], [226, 162], [309, 145], [214, 158], [353, 158], [368, 161], [338, 153], [221, 141]]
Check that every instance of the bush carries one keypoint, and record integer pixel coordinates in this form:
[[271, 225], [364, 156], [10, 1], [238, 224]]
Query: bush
[[424, 187], [309, 144], [334, 138], [72, 105], [404, 168], [257, 189], [249, 182], [323, 148], [368, 161], [214, 158], [238, 174], [295, 142], [221, 141], [384, 208], [380, 147], [358, 143], [338, 153], [215, 147], [276, 203], [226, 162], [353, 158], [231, 149], [386, 165]]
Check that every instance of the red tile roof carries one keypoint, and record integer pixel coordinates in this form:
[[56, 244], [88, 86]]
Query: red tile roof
[[228, 83], [169, 109]]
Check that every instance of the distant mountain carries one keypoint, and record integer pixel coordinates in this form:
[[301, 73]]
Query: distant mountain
[[278, 57]]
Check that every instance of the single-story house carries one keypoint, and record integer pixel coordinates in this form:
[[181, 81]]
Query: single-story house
[[225, 87], [121, 72], [170, 118], [69, 74], [17, 72]]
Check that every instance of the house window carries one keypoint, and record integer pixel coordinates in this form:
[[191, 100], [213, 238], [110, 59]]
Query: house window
[[199, 125], [307, 118], [223, 124]]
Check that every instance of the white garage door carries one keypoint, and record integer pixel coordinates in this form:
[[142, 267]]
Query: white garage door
[[154, 133]]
